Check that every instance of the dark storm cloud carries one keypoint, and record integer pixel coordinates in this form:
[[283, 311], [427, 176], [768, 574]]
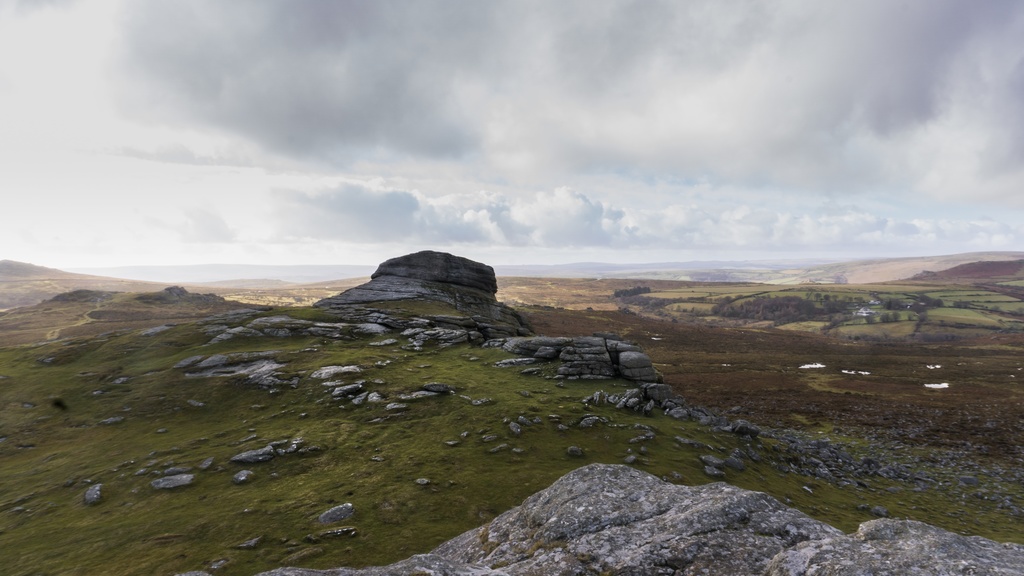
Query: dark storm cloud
[[308, 78], [815, 95]]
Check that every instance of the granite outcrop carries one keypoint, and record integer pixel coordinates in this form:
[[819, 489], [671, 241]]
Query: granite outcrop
[[465, 285], [614, 519]]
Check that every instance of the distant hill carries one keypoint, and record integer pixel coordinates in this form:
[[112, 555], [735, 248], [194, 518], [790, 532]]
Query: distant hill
[[11, 271], [23, 284], [234, 275], [90, 312], [975, 271], [866, 271]]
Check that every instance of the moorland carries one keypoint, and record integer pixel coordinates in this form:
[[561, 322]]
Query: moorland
[[918, 376]]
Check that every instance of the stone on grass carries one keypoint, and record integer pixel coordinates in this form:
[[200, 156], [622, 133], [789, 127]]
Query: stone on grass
[[337, 514], [253, 456], [176, 481], [242, 476], [93, 494]]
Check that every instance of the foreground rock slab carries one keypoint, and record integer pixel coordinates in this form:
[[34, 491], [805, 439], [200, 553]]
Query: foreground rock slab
[[605, 519]]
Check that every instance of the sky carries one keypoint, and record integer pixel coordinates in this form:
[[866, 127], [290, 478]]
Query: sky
[[511, 132]]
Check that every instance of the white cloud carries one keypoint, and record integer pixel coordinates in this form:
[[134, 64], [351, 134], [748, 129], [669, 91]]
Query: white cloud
[[259, 129]]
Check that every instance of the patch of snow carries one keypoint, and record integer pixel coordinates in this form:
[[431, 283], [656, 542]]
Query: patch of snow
[[933, 366], [937, 386], [655, 338], [814, 365], [856, 372]]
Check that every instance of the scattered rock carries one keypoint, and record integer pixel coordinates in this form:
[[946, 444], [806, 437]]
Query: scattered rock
[[337, 514], [330, 371], [253, 456], [93, 494], [574, 451], [112, 420], [250, 544], [896, 547], [242, 476], [344, 531], [176, 481]]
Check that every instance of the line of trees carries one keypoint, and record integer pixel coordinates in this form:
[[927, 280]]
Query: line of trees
[[635, 291]]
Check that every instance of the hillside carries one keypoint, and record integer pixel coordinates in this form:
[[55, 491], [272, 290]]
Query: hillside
[[977, 271], [92, 312], [219, 444], [24, 284]]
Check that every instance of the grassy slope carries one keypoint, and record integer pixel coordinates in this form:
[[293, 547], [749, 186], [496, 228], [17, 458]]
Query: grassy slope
[[49, 456]]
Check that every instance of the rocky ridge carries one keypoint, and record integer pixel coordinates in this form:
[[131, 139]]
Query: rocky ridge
[[427, 276], [612, 519]]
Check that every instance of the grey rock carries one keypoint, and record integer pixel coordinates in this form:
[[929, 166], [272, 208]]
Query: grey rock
[[715, 461], [176, 481], [896, 547], [658, 392], [744, 428], [574, 451], [112, 420], [347, 391], [618, 520], [337, 514], [511, 362], [254, 456], [458, 282], [438, 388], [242, 476], [188, 361], [440, 267], [515, 428], [93, 494], [714, 472], [250, 544], [431, 564], [205, 464], [329, 371], [734, 463]]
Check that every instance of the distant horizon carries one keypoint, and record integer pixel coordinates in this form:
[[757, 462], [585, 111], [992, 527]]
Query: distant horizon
[[300, 273]]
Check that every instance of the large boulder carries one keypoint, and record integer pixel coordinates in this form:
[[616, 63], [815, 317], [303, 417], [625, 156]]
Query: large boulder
[[606, 519], [440, 267], [467, 287], [900, 547]]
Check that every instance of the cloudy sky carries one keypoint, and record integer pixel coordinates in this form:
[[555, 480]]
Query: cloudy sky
[[346, 132]]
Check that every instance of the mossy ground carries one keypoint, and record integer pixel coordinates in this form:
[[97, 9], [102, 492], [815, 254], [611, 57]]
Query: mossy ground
[[52, 398]]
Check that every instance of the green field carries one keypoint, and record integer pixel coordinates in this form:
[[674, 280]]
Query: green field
[[838, 308]]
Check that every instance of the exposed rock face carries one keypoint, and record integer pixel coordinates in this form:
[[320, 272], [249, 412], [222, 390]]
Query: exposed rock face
[[463, 284], [617, 520], [590, 357], [900, 547], [440, 267]]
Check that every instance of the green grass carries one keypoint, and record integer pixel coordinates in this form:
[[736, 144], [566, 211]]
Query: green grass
[[370, 457], [964, 316]]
